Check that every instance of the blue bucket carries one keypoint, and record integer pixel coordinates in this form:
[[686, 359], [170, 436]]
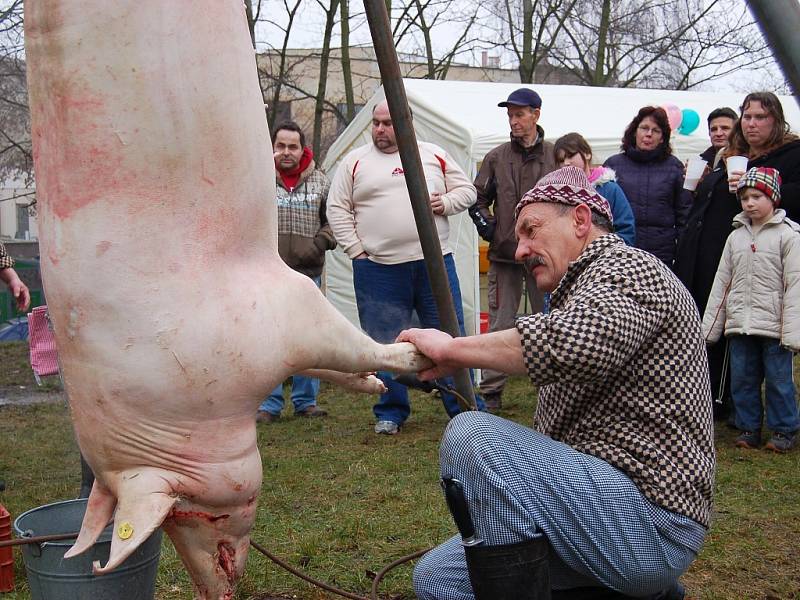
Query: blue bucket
[[51, 577]]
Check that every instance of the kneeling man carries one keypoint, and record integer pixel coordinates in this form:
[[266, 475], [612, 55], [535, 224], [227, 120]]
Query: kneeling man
[[616, 476]]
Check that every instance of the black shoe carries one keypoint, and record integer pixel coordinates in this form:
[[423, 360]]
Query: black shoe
[[676, 592], [264, 416], [312, 411], [587, 593], [749, 439], [782, 442]]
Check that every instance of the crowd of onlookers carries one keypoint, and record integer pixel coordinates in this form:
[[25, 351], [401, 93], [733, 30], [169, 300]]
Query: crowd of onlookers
[[366, 210], [685, 228]]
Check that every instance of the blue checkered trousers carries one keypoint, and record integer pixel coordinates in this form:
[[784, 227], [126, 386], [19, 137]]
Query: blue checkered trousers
[[521, 484]]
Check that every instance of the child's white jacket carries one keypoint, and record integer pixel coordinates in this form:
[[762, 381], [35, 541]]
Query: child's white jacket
[[757, 287]]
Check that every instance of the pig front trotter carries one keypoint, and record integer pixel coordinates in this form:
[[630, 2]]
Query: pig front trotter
[[403, 357]]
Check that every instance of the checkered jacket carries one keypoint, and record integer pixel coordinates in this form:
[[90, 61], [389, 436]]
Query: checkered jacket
[[303, 231], [622, 364], [5, 260]]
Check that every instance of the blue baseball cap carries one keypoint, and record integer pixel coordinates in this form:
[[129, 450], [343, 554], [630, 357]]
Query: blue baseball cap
[[522, 97]]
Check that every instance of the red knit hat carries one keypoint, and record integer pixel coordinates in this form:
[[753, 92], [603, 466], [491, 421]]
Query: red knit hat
[[765, 179], [570, 186]]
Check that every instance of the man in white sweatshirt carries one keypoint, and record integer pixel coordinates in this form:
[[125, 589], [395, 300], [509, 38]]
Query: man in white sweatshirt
[[369, 211]]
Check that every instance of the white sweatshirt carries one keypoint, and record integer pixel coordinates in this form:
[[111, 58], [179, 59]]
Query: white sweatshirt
[[369, 209]]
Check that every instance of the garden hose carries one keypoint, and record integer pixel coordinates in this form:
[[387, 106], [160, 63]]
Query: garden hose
[[281, 563]]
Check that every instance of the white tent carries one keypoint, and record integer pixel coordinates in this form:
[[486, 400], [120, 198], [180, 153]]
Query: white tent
[[463, 118]]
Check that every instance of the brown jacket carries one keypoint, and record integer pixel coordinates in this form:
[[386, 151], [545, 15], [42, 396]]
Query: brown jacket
[[303, 231], [507, 172]]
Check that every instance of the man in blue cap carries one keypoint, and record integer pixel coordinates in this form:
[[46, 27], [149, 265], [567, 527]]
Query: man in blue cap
[[508, 172]]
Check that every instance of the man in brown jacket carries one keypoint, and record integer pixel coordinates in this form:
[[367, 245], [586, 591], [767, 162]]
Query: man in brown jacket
[[303, 237], [507, 172]]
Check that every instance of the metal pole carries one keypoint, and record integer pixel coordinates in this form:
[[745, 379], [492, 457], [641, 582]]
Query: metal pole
[[380, 27], [779, 21]]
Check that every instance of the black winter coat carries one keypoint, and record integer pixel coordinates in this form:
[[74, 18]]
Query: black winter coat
[[710, 220], [655, 191], [708, 155]]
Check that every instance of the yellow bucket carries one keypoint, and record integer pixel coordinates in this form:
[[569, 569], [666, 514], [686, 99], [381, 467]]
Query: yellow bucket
[[483, 259]]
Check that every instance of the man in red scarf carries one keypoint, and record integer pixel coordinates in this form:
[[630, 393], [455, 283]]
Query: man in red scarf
[[303, 237]]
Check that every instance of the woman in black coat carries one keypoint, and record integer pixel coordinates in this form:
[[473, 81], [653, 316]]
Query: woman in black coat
[[652, 179], [763, 135]]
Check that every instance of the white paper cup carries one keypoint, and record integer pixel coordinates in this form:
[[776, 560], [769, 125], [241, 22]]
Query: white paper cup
[[694, 171], [735, 163]]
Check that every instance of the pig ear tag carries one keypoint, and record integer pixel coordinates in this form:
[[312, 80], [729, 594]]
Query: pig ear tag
[[125, 530]]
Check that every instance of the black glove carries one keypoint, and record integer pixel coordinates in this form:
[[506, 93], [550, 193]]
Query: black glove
[[484, 226]]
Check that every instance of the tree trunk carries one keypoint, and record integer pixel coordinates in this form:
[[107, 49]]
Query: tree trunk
[[526, 60], [330, 18], [276, 92], [426, 35], [251, 22], [600, 77], [347, 75]]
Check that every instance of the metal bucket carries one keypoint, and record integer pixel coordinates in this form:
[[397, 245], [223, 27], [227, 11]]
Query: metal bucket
[[51, 577]]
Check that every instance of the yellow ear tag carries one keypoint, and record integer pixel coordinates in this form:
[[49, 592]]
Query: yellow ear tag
[[125, 530]]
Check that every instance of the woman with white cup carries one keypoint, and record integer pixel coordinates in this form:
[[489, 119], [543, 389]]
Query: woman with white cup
[[762, 136]]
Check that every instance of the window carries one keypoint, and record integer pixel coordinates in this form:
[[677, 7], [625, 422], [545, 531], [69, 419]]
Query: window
[[23, 222]]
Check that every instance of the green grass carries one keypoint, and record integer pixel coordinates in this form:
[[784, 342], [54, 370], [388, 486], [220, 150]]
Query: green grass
[[15, 370], [341, 502]]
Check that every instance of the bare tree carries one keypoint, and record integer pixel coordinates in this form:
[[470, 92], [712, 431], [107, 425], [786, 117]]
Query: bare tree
[[527, 30], [671, 44], [16, 159], [725, 41], [330, 17], [252, 18], [347, 75], [418, 22], [276, 76]]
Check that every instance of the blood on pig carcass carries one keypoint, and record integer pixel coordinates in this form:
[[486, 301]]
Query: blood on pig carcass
[[173, 314]]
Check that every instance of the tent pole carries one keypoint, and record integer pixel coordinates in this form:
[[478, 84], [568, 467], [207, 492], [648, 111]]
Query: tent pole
[[779, 21], [380, 28]]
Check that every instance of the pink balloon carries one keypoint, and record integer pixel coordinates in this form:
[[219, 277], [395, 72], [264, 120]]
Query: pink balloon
[[674, 115]]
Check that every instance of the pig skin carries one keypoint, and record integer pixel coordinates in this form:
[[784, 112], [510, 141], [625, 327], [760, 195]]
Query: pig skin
[[173, 314]]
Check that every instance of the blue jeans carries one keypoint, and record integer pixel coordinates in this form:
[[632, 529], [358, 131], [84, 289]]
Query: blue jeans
[[386, 296], [304, 390], [756, 359], [304, 395]]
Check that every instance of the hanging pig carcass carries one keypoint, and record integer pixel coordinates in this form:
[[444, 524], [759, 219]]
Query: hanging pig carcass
[[173, 314]]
